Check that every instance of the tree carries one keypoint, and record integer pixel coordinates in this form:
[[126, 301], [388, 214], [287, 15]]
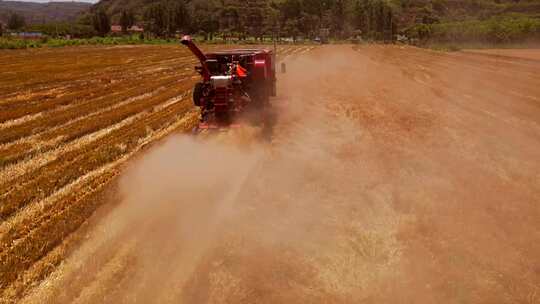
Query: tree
[[16, 22], [309, 25], [315, 7], [165, 17], [101, 22], [375, 19], [206, 18], [229, 20], [179, 16], [272, 24], [291, 9], [290, 15], [291, 28], [255, 13], [127, 20], [156, 19], [339, 16], [84, 27]]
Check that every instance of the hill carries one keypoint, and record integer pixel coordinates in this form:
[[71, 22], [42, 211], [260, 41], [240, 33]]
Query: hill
[[39, 13]]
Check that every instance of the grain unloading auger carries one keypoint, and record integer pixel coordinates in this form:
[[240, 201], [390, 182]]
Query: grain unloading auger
[[235, 84]]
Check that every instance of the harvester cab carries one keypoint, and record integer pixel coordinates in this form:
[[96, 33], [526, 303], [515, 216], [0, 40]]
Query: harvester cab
[[232, 82]]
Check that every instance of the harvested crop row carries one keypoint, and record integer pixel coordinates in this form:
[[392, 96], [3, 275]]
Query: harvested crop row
[[67, 168], [65, 78], [11, 154], [65, 115], [80, 63], [94, 55], [35, 93], [33, 237], [78, 89], [76, 63], [48, 89], [13, 171], [77, 207], [42, 268], [46, 265], [41, 183], [53, 138], [18, 109], [102, 120]]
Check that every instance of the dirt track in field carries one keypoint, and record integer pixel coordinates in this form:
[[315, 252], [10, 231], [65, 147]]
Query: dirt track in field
[[531, 54], [394, 175]]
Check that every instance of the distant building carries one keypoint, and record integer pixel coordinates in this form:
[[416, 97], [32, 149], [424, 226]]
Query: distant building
[[136, 29], [117, 29], [28, 35]]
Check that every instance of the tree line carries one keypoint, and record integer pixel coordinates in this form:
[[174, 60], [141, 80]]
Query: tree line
[[257, 18], [15, 22], [240, 19], [308, 19]]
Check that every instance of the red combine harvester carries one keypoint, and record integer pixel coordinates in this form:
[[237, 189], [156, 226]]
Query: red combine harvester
[[235, 84]]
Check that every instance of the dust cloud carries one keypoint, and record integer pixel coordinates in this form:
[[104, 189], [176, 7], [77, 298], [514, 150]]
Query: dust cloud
[[232, 217], [176, 197], [294, 206], [192, 202]]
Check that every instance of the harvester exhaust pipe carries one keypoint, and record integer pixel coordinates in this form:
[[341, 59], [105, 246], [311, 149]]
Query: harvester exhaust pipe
[[187, 41]]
